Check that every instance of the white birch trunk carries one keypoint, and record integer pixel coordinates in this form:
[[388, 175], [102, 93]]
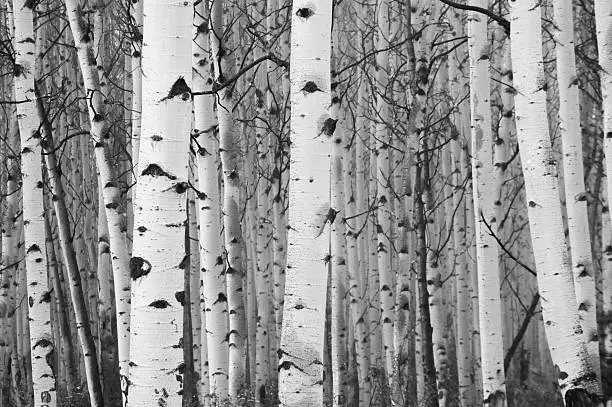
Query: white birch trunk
[[462, 284], [108, 182], [301, 354], [494, 388], [160, 213], [385, 194], [33, 212], [573, 176], [136, 60], [338, 262], [603, 20], [566, 341]]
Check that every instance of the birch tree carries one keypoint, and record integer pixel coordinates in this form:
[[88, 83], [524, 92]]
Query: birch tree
[[39, 316], [577, 379], [573, 177], [484, 211], [160, 213], [301, 353]]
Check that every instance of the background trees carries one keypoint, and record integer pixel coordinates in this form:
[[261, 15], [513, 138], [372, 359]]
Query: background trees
[[307, 203]]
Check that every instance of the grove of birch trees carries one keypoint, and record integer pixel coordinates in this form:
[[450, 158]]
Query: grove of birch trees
[[305, 203]]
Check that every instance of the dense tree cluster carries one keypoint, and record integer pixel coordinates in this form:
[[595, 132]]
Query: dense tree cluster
[[305, 203]]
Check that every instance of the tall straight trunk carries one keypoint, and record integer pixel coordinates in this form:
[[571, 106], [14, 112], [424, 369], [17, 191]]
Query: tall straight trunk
[[10, 260], [81, 33], [136, 61], [251, 263], [573, 176], [428, 393], [278, 107], [462, 283], [577, 378], [355, 233], [188, 392], [263, 123], [494, 389], [88, 348], [361, 271], [67, 380], [301, 353], [603, 20], [339, 261], [435, 289], [385, 193], [217, 289], [464, 354], [108, 351], [33, 211], [373, 286], [211, 245], [195, 283], [421, 14], [606, 321], [160, 209]]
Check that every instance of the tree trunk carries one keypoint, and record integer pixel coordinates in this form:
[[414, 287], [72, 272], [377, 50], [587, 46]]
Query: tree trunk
[[160, 214], [301, 352], [573, 176], [41, 342], [490, 307], [577, 378]]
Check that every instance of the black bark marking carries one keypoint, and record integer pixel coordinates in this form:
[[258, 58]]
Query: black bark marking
[[286, 365], [495, 399], [46, 297], [139, 267], [220, 298], [141, 229], [304, 12], [181, 187], [581, 197], [180, 297], [156, 137], [183, 262], [43, 343], [329, 127], [45, 397], [18, 70], [311, 87], [33, 248], [160, 304], [155, 170], [112, 205], [179, 88], [580, 397]]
